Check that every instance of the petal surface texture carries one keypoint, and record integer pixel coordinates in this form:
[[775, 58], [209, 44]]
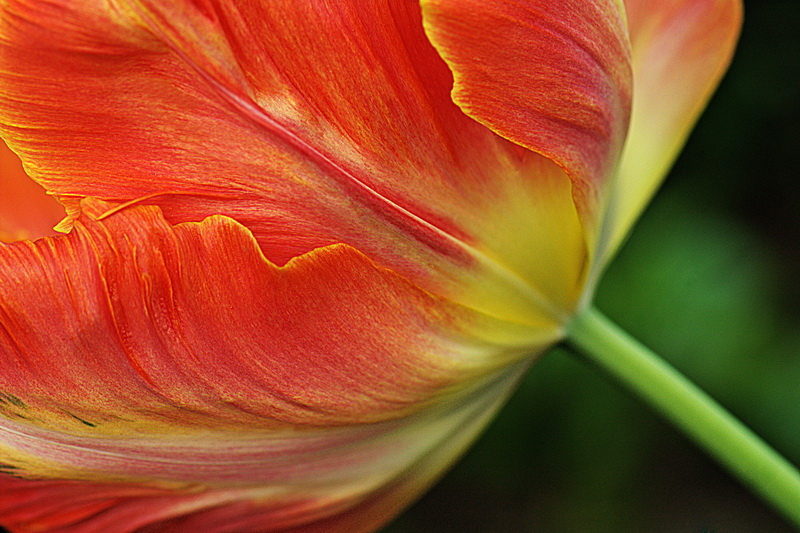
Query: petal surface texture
[[314, 123], [180, 364], [681, 49], [26, 211]]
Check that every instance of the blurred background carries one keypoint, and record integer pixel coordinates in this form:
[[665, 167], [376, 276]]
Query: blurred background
[[709, 279]]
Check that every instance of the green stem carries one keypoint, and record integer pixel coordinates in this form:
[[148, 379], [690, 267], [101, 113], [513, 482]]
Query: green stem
[[689, 408]]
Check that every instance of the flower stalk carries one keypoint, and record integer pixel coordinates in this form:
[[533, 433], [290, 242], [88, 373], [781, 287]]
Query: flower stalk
[[690, 409]]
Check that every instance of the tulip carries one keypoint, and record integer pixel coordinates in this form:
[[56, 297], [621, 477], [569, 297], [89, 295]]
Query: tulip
[[310, 247]]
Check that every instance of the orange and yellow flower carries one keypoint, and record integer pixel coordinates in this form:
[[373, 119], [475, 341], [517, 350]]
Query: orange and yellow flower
[[311, 245]]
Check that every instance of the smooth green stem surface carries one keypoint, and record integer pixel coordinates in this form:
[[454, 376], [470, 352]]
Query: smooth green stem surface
[[690, 409]]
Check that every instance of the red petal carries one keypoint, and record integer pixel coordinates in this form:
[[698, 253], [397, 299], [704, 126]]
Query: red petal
[[553, 77], [681, 49], [133, 350], [26, 212], [126, 314], [310, 123]]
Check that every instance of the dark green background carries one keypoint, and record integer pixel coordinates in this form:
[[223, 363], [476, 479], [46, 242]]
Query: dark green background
[[709, 280]]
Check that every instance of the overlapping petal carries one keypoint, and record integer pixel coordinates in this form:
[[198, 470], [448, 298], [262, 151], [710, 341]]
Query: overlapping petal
[[259, 111], [681, 49], [26, 212], [180, 358]]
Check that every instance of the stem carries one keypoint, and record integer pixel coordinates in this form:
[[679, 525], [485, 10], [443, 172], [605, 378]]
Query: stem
[[689, 408]]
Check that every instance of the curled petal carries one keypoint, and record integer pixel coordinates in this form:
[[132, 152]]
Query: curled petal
[[26, 212], [681, 49], [258, 111], [179, 359], [553, 77]]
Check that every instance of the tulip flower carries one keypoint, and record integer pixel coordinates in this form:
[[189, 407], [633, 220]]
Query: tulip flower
[[310, 246]]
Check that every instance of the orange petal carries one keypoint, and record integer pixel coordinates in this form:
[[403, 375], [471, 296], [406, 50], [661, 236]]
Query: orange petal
[[180, 358], [26, 212], [553, 77], [310, 123], [343, 503], [681, 49]]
